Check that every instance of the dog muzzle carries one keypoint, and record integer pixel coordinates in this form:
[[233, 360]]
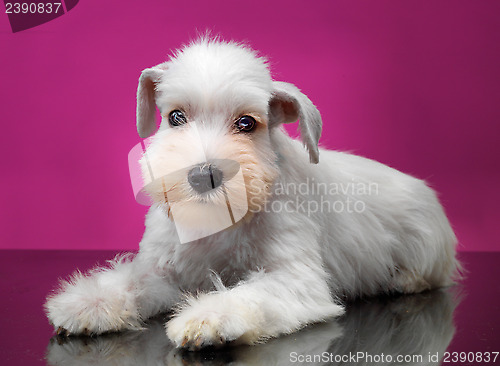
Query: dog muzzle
[[221, 178]]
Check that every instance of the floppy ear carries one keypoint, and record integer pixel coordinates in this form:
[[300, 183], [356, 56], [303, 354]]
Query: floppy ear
[[287, 105], [146, 106]]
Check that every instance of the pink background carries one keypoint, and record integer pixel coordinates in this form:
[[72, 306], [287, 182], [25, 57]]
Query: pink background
[[413, 84]]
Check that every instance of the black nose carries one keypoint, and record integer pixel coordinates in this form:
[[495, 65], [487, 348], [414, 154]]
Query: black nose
[[205, 177]]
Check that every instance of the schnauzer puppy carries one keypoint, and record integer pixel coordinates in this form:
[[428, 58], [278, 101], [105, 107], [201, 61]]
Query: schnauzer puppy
[[250, 235]]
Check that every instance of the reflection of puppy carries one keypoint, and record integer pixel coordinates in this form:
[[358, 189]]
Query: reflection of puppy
[[309, 233], [407, 330], [411, 325]]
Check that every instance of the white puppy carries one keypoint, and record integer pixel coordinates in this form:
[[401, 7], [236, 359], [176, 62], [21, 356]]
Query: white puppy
[[265, 235]]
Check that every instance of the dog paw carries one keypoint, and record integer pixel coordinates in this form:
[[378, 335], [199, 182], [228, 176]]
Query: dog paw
[[198, 332], [84, 307], [199, 326], [408, 282]]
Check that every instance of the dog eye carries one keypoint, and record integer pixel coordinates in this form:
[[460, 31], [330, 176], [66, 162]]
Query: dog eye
[[176, 118], [245, 123]]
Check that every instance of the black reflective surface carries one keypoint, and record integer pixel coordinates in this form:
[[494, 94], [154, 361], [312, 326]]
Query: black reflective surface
[[404, 330]]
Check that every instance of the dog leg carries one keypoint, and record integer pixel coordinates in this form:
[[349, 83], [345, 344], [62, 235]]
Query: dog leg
[[108, 299], [264, 306]]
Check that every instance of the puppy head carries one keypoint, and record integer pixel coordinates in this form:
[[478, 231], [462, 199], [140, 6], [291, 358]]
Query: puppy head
[[212, 150]]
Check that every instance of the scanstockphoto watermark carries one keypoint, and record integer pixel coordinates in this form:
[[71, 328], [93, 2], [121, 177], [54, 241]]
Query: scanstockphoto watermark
[[311, 197], [368, 358], [358, 357]]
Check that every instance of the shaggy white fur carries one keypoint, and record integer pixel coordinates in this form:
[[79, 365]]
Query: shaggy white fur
[[314, 234]]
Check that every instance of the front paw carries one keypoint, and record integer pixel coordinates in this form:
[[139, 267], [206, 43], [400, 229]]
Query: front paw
[[84, 306], [211, 323]]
